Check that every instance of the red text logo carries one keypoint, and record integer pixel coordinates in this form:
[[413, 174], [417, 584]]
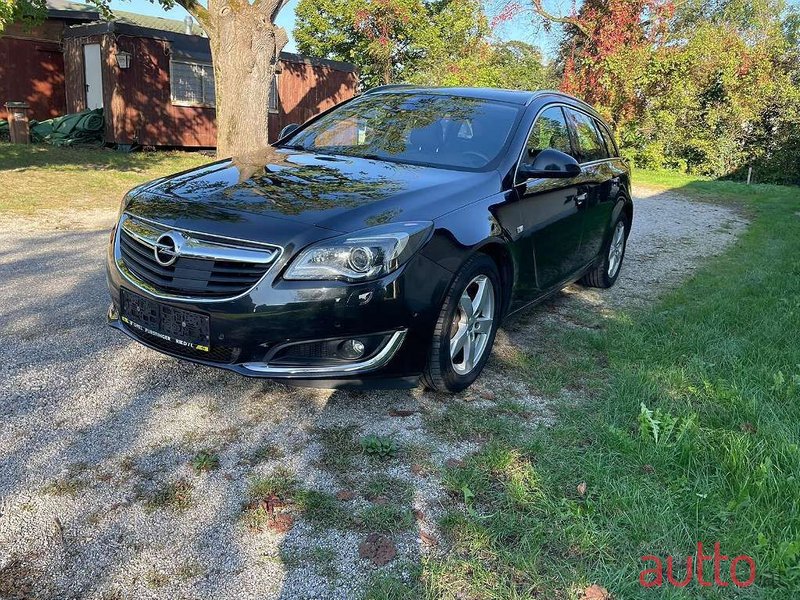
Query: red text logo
[[654, 576]]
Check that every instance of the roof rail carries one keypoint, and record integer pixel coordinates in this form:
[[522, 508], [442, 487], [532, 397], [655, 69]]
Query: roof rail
[[389, 86]]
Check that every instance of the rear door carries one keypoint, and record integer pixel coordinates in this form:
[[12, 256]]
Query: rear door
[[594, 183], [550, 215]]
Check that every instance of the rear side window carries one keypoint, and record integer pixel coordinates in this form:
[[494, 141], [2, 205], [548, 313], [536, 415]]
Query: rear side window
[[590, 144], [549, 131], [612, 149]]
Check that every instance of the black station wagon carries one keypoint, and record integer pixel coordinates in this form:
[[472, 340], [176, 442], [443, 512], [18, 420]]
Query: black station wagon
[[380, 243]]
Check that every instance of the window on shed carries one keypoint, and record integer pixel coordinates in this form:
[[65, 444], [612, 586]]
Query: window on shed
[[192, 83], [273, 94]]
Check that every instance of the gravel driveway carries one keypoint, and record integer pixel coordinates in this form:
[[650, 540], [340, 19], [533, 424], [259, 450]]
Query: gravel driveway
[[98, 494]]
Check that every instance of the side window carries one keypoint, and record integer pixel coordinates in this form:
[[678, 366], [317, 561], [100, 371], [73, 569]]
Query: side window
[[590, 145], [612, 148], [549, 131]]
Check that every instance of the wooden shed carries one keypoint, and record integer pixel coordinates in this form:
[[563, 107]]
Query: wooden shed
[[156, 87], [31, 63]]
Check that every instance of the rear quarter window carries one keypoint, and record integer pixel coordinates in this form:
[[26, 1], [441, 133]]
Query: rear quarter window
[[590, 145], [609, 140]]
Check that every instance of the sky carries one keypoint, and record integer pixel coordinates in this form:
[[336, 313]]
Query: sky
[[518, 29]]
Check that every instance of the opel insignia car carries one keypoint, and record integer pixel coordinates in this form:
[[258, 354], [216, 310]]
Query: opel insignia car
[[379, 244]]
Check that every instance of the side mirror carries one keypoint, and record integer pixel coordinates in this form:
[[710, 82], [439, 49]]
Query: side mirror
[[551, 163], [288, 130]]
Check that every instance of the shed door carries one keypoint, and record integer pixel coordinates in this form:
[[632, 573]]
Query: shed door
[[93, 76]]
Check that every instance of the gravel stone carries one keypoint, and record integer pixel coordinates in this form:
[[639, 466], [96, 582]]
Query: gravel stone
[[95, 427]]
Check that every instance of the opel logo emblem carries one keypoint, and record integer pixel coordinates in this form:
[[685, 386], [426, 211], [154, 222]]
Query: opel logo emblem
[[167, 249]]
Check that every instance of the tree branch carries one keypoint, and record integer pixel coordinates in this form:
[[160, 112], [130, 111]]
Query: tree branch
[[270, 7], [539, 9], [281, 39], [199, 12]]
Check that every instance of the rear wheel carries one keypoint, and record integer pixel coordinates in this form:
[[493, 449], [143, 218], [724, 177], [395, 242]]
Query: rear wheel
[[605, 274], [465, 330]]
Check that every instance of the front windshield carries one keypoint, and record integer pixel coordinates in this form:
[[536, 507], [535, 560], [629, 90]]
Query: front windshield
[[427, 129]]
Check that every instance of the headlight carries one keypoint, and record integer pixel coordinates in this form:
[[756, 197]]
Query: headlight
[[362, 255], [123, 205]]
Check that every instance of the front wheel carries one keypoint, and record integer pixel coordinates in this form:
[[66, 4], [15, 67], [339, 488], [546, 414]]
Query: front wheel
[[465, 330], [605, 274]]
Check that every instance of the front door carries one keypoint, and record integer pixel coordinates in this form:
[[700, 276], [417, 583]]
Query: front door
[[550, 213], [93, 76]]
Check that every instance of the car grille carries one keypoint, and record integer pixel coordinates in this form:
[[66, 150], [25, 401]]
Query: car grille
[[204, 267]]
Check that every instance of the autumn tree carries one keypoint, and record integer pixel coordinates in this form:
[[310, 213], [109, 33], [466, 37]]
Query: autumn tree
[[245, 45]]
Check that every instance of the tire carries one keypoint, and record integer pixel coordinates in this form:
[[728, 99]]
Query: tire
[[451, 373], [605, 274]]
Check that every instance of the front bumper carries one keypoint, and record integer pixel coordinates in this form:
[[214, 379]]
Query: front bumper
[[246, 331]]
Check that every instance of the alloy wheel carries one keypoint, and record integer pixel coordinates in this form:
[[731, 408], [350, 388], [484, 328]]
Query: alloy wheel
[[472, 324], [616, 250]]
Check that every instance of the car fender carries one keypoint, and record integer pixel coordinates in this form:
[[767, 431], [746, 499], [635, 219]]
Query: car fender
[[475, 227]]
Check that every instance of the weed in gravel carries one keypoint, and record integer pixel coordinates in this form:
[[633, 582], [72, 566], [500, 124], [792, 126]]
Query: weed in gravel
[[264, 453], [380, 446], [394, 586], [290, 558], [190, 570], [324, 559], [322, 509], [71, 483], [155, 579], [418, 453], [66, 486], [386, 518], [205, 460], [270, 499], [339, 449], [281, 483], [176, 495], [390, 488]]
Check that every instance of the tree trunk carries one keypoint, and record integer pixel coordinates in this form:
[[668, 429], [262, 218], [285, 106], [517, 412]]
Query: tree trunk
[[245, 45]]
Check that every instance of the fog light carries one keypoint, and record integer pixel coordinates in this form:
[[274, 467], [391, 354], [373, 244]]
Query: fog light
[[351, 349]]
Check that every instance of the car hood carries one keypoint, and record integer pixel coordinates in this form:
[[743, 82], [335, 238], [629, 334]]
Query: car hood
[[272, 194]]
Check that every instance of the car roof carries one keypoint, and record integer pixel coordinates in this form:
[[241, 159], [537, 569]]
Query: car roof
[[521, 97]]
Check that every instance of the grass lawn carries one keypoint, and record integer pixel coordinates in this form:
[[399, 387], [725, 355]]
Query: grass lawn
[[686, 430], [40, 177]]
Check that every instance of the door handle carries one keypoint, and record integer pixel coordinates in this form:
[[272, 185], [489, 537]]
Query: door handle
[[580, 198]]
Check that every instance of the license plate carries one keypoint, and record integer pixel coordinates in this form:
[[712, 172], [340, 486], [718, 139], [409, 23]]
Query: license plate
[[181, 327]]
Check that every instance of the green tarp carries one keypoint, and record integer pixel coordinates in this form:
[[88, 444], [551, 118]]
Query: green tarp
[[78, 129], [83, 128]]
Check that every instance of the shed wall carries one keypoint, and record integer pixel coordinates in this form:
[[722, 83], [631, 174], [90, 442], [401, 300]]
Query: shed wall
[[137, 100], [32, 69]]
